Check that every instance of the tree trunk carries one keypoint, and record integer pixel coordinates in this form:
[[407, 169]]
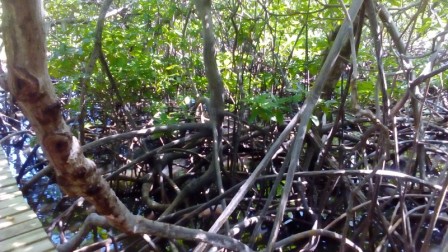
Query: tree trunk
[[33, 92]]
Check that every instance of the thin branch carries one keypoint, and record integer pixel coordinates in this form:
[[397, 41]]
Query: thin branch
[[435, 214], [315, 232], [307, 108], [83, 83]]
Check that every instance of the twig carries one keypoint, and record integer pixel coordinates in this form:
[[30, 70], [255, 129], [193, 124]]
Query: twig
[[435, 214], [315, 232]]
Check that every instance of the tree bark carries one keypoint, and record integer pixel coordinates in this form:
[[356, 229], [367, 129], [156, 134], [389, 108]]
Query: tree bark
[[32, 90]]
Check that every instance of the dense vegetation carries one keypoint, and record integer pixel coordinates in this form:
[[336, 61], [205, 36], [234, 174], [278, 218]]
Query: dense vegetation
[[362, 166]]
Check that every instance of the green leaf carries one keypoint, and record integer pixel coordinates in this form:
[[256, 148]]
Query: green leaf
[[315, 120]]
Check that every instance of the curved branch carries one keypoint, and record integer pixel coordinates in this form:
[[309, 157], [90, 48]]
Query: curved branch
[[315, 232], [216, 88], [83, 82]]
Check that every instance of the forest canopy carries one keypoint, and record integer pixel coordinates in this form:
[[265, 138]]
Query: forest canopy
[[241, 125]]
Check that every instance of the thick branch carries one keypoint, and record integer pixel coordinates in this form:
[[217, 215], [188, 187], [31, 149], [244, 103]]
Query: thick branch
[[215, 84]]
